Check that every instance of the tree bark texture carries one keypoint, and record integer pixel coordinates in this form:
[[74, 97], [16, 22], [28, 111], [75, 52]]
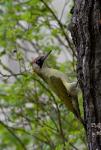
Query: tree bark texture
[[86, 34]]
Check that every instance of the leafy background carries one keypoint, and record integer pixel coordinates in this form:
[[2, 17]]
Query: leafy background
[[31, 116]]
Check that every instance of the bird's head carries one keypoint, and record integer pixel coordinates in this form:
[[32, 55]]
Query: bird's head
[[38, 62]]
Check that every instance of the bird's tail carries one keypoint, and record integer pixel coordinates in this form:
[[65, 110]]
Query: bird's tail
[[77, 110], [78, 116]]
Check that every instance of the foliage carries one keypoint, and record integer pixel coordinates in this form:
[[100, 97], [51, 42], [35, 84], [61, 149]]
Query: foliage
[[32, 117]]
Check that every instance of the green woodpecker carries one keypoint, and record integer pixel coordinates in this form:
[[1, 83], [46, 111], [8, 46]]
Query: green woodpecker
[[58, 82]]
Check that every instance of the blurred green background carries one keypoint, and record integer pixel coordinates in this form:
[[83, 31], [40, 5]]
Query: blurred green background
[[31, 115]]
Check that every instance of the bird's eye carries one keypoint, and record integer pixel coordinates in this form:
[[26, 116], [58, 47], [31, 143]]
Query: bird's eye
[[38, 62]]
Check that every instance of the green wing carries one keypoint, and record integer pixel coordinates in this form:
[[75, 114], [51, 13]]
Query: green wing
[[58, 86]]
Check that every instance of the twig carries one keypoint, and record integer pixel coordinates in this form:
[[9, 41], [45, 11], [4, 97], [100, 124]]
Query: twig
[[61, 27], [13, 134], [65, 4], [51, 96]]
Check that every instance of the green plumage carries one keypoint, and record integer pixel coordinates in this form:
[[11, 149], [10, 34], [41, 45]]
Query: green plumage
[[57, 81], [59, 84]]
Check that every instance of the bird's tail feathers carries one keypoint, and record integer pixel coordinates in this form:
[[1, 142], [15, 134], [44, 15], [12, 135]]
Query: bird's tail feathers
[[78, 116]]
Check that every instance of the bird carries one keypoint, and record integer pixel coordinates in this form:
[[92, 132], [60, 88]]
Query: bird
[[58, 83]]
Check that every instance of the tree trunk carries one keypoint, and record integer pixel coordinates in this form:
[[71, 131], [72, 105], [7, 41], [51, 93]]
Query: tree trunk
[[86, 34]]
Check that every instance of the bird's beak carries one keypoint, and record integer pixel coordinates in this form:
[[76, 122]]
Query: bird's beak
[[40, 60], [46, 56]]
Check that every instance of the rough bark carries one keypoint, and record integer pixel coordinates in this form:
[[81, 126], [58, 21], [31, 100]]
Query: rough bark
[[86, 34]]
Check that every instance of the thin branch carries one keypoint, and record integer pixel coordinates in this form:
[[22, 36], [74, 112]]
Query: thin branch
[[24, 48], [39, 139], [61, 42], [11, 72], [74, 147], [10, 75], [7, 69], [51, 96], [13, 134], [65, 4], [60, 126], [53, 130], [61, 27]]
